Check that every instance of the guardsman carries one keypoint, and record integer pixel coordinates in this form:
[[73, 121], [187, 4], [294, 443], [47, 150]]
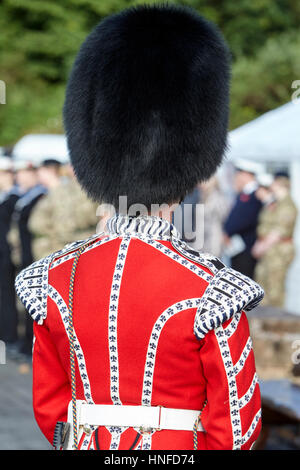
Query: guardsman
[[140, 341], [241, 223], [275, 248]]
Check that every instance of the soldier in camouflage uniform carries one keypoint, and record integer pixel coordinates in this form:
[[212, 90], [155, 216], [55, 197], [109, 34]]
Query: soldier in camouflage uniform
[[64, 215], [274, 248]]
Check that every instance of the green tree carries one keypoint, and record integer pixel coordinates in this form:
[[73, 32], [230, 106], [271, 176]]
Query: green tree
[[263, 82]]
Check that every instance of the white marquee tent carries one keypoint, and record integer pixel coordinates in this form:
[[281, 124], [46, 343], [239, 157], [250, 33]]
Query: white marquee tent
[[273, 137]]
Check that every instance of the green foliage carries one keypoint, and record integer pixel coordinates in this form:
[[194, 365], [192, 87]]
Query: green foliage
[[264, 82], [39, 40]]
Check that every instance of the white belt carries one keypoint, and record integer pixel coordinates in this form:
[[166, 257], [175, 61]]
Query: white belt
[[144, 417]]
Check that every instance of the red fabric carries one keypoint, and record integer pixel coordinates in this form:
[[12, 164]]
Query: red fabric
[[186, 372], [51, 384]]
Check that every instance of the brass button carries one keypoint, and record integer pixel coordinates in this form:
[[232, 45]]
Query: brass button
[[86, 429]]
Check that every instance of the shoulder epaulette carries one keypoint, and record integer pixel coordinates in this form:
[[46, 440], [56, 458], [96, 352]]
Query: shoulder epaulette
[[205, 259], [31, 284], [228, 293]]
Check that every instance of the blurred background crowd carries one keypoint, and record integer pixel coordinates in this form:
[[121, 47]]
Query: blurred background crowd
[[251, 206], [254, 230], [42, 208]]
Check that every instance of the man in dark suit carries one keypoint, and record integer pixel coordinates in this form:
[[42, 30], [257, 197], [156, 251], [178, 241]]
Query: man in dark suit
[[241, 223], [9, 195]]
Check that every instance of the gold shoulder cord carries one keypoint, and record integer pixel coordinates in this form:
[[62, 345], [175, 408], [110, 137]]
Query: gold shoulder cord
[[195, 428], [71, 340]]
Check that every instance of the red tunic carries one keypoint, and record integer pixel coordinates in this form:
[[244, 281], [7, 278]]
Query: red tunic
[[156, 323]]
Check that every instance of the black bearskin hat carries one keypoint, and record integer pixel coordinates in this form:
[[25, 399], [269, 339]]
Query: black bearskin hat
[[146, 109]]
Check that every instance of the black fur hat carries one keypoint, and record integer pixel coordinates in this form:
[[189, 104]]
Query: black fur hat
[[146, 109]]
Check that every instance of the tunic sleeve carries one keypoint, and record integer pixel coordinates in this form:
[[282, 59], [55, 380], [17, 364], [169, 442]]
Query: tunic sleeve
[[51, 386], [232, 416]]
